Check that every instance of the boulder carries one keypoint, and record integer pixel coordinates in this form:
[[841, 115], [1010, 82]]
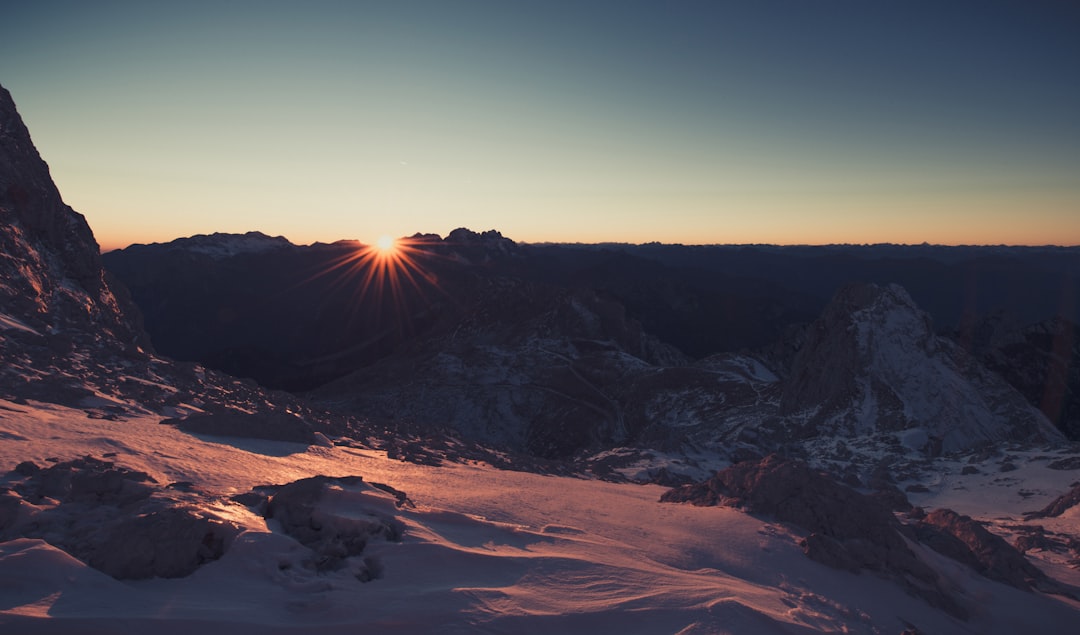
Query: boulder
[[298, 509]]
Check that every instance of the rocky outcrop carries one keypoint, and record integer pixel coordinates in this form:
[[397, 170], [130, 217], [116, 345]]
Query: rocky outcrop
[[305, 511], [1059, 505], [873, 364], [164, 543], [118, 521], [967, 541], [125, 524]]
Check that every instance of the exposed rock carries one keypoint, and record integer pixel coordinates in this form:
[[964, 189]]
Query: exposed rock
[[88, 480], [114, 519], [166, 543], [847, 530], [965, 540], [1070, 463], [299, 509], [53, 282], [1036, 537], [1059, 505]]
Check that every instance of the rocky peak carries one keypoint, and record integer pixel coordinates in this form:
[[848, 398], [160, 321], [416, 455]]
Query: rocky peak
[[862, 325], [51, 269], [872, 364], [479, 248], [464, 235]]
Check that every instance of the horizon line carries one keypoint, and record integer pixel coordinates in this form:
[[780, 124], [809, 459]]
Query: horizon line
[[925, 244]]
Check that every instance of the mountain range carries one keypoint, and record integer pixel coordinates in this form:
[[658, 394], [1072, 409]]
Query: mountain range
[[480, 435], [306, 318]]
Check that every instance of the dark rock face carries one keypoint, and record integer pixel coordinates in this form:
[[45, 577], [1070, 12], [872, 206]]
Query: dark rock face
[[51, 267], [964, 540], [1041, 360], [116, 520], [165, 543], [1059, 505]]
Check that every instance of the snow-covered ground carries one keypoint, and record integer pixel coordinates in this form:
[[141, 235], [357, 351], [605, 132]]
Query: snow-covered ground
[[483, 550]]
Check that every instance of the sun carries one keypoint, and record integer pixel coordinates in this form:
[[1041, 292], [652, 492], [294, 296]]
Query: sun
[[388, 273], [385, 244]]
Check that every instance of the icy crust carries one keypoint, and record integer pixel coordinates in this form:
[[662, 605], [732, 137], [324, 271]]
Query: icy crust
[[489, 550]]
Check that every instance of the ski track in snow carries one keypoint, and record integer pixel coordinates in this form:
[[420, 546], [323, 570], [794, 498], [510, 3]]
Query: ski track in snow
[[483, 551]]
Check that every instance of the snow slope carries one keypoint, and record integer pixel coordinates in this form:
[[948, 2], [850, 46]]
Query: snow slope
[[483, 550]]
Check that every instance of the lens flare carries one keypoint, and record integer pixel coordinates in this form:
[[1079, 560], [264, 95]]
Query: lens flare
[[385, 280]]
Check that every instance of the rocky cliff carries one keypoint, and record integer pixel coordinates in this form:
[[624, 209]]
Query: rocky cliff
[[51, 278]]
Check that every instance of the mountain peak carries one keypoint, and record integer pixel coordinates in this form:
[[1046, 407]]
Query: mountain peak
[[873, 364], [222, 245], [53, 279], [464, 235]]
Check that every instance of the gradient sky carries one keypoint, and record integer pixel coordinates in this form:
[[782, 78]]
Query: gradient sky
[[679, 121]]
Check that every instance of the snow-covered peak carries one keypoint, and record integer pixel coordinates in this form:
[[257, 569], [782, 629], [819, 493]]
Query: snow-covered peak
[[220, 245], [872, 364]]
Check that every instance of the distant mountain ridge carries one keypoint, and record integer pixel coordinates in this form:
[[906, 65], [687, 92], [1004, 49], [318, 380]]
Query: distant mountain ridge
[[298, 317]]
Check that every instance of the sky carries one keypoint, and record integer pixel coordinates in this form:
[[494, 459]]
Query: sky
[[681, 121]]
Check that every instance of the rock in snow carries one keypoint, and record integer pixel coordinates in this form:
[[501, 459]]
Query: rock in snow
[[1059, 505], [965, 540], [118, 521], [852, 531], [301, 509], [847, 530]]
